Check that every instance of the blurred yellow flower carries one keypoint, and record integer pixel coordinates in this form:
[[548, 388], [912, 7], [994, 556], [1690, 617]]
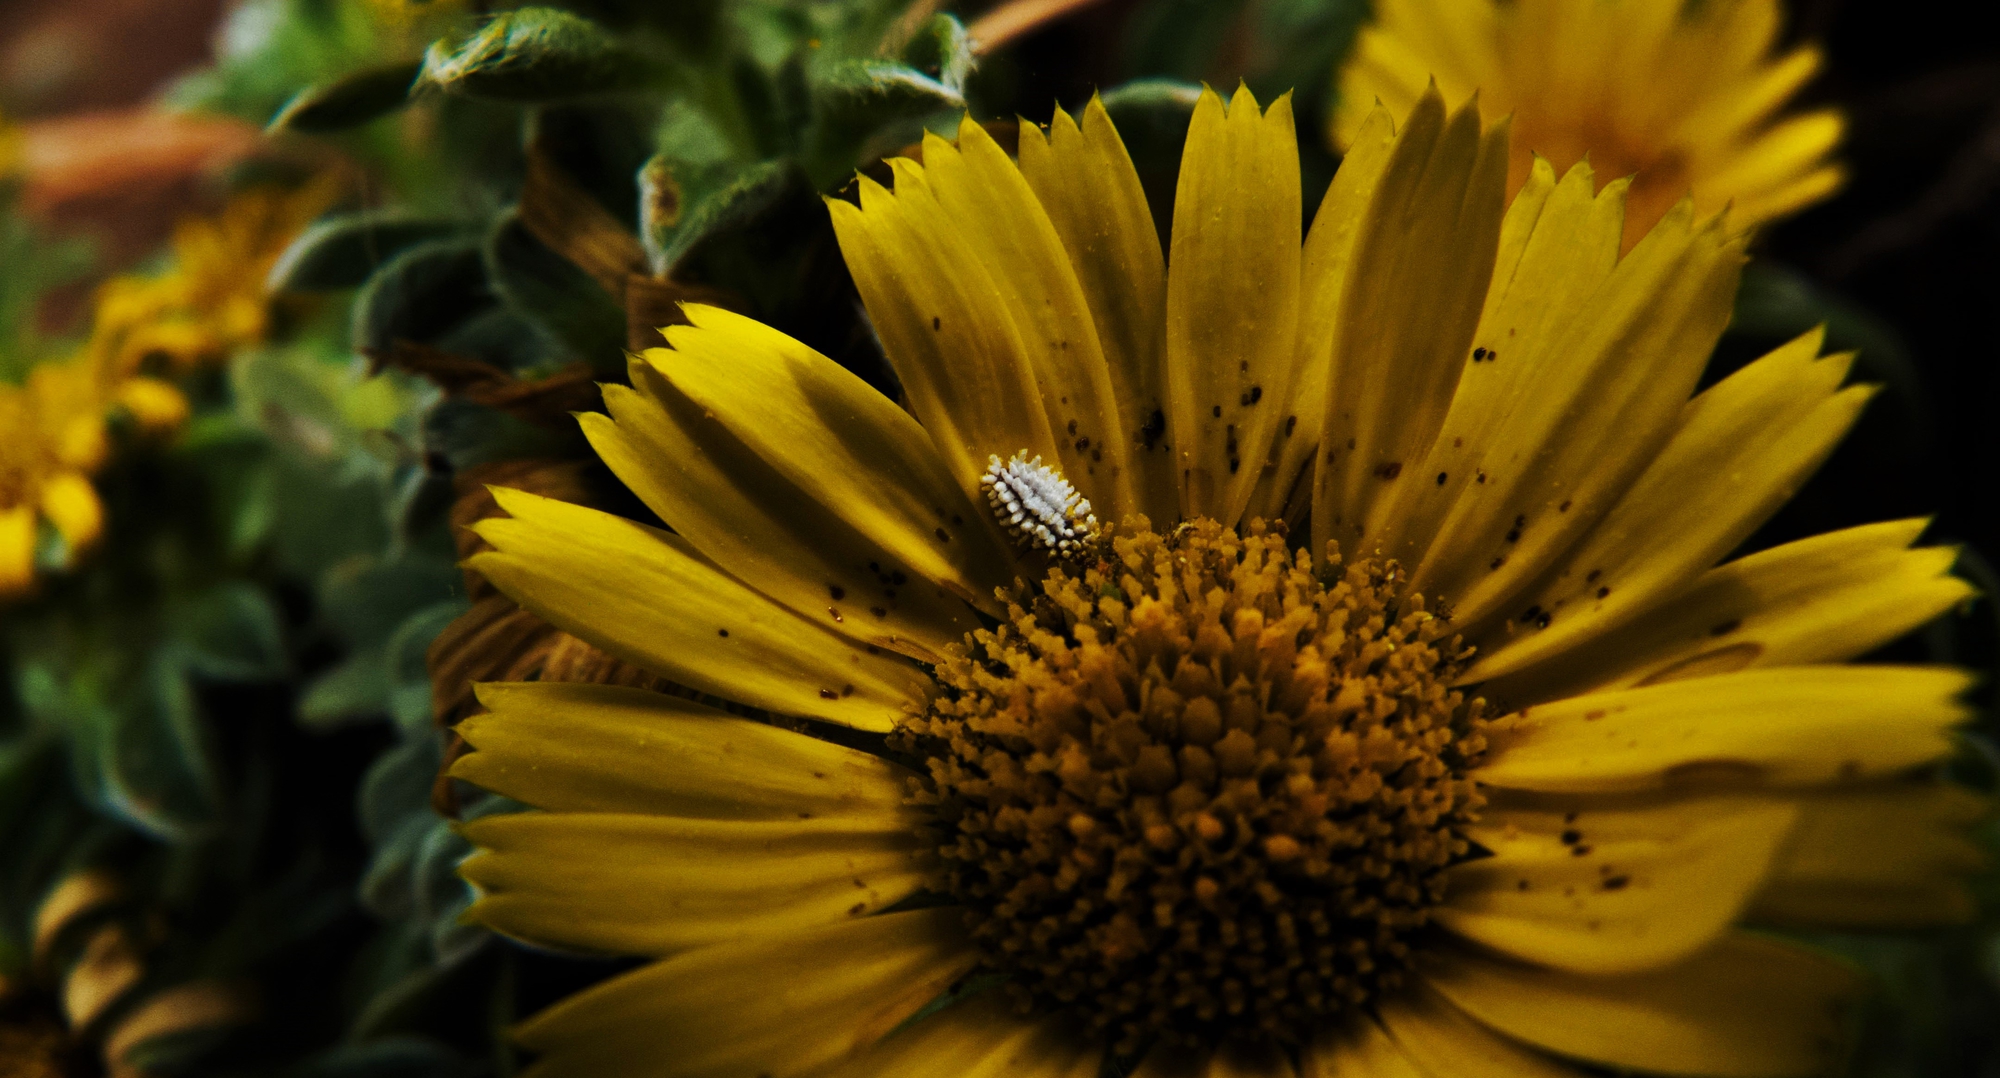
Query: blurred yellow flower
[[1684, 95], [212, 301]]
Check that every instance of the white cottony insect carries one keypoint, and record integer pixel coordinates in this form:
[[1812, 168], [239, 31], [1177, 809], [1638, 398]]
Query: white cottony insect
[[1037, 506]]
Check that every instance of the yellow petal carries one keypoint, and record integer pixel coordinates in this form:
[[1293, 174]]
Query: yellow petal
[[1610, 394], [155, 405], [1616, 889], [1880, 858], [778, 1006], [1360, 1048], [17, 549], [980, 326], [792, 481], [996, 221], [1558, 245], [1742, 449], [70, 503], [1788, 149], [980, 1037], [1410, 300], [1085, 181], [1286, 489], [653, 885], [1444, 1043], [1747, 1008], [1232, 298], [644, 596], [601, 748], [1231, 1061], [1825, 599], [1782, 726], [837, 440]]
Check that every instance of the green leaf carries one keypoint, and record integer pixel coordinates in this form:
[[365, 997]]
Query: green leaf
[[734, 198], [536, 54], [357, 689], [867, 107], [154, 757], [389, 1057], [231, 633], [544, 287], [943, 50], [348, 101], [343, 251], [406, 660], [421, 294]]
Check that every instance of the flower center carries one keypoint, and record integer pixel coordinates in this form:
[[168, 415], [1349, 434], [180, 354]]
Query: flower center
[[1201, 786]]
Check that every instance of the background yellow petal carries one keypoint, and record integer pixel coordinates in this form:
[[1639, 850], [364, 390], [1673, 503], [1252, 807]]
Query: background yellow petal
[[1558, 245], [1613, 888], [602, 748], [1285, 489], [1611, 389], [1422, 260], [1887, 857], [1747, 1008], [1232, 298], [17, 548], [965, 371], [778, 1006], [992, 217], [1090, 190], [980, 1037], [1444, 1043], [1783, 726], [1820, 600], [839, 442], [1741, 450], [71, 504], [645, 596], [653, 885], [1359, 1048]]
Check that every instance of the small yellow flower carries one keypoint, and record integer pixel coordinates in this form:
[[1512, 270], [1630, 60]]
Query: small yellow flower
[[1683, 94], [55, 438], [212, 300], [1480, 765]]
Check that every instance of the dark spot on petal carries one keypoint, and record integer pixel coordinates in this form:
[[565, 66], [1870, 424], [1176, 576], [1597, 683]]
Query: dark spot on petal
[[837, 592], [936, 324], [878, 611], [1564, 507], [1216, 411], [1072, 428], [1727, 627], [828, 694], [1616, 883], [1442, 477], [1290, 422], [1594, 574], [722, 632], [834, 612], [1602, 592], [1496, 563], [943, 536], [1478, 354], [897, 578], [1579, 851], [1390, 470], [847, 690], [1571, 837]]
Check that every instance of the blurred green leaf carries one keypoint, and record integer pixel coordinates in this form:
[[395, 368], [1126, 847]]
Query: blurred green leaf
[[154, 758], [348, 101], [943, 50], [544, 287], [343, 251], [866, 107], [421, 294], [536, 54], [355, 689], [231, 633]]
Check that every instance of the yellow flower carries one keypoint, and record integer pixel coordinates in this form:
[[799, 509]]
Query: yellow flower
[[1681, 93], [55, 438], [212, 301], [1213, 797]]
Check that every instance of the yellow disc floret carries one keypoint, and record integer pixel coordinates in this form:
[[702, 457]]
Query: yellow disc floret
[[1204, 786]]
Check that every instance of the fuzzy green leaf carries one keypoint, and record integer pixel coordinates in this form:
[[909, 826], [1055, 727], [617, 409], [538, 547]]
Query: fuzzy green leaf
[[535, 54], [348, 101]]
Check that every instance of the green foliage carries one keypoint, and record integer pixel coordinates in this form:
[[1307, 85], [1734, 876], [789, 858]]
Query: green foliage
[[536, 54]]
